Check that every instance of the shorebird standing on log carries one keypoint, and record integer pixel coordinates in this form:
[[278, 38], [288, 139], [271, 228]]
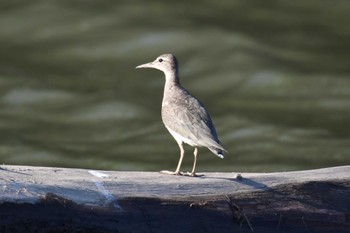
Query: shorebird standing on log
[[183, 115]]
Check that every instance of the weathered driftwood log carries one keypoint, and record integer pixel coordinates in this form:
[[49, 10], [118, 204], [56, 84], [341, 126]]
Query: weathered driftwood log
[[38, 199]]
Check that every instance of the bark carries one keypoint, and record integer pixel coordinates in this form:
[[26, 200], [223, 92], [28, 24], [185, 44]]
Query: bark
[[36, 199]]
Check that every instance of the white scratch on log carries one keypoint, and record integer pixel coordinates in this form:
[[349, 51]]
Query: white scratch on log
[[109, 197], [98, 174]]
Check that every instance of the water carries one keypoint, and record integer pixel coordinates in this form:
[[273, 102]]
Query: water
[[275, 76]]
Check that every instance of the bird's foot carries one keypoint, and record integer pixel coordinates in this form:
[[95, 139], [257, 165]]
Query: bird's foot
[[192, 174], [171, 173]]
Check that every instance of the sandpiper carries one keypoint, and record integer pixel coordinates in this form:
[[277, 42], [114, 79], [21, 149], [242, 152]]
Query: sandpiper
[[183, 115]]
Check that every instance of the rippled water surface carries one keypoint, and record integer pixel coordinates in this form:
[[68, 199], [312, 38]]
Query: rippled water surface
[[275, 76]]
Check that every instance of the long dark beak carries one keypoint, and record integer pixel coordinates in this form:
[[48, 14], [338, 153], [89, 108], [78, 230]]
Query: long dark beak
[[147, 65]]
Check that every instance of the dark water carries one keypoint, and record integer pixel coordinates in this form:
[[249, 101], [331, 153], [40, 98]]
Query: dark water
[[275, 76]]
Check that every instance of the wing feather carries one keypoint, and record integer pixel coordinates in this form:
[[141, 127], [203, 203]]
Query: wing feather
[[191, 120]]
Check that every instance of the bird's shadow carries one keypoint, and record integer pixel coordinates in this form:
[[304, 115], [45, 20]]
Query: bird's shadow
[[238, 179]]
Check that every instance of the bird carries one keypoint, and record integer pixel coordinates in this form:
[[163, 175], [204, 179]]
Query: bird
[[186, 119]]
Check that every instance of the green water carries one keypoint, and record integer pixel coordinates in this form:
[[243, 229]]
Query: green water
[[275, 76]]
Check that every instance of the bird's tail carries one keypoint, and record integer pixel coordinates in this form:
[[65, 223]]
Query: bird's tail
[[218, 152]]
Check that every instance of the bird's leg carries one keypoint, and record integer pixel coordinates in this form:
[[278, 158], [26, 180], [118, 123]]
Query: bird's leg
[[177, 171], [182, 153], [194, 162], [192, 173]]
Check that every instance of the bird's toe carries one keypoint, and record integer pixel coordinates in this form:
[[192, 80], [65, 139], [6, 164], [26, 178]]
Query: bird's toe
[[192, 174], [170, 172]]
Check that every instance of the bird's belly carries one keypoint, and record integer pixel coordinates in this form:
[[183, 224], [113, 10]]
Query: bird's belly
[[180, 138]]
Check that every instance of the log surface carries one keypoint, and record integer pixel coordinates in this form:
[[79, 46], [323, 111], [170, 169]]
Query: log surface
[[79, 200]]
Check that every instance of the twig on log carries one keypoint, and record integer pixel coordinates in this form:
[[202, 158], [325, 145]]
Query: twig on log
[[237, 213]]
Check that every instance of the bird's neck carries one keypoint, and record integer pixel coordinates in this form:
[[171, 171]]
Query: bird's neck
[[172, 83], [172, 79]]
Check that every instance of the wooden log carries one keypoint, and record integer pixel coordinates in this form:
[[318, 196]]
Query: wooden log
[[43, 199]]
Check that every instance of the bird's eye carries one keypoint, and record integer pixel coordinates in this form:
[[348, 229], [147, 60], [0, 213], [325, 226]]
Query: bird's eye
[[160, 60]]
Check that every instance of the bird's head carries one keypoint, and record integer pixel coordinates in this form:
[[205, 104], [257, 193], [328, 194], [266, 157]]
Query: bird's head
[[166, 63]]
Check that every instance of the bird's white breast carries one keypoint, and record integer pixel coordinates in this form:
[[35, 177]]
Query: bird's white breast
[[180, 138], [165, 103]]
